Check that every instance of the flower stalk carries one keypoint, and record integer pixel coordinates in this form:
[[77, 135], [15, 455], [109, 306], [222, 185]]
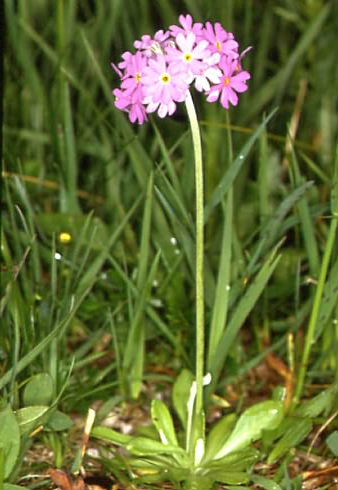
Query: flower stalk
[[199, 196]]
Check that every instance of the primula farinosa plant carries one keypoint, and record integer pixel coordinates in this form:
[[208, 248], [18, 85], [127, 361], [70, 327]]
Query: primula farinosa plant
[[163, 69], [156, 77]]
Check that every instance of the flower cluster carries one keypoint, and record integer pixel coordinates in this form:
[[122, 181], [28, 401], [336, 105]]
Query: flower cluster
[[161, 71]]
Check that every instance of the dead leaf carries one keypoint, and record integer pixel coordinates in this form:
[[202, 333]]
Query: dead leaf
[[65, 481]]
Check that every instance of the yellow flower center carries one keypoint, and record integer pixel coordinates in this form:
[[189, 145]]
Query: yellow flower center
[[227, 81], [138, 77], [165, 78], [219, 46], [188, 57]]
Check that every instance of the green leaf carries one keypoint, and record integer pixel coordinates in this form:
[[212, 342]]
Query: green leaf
[[296, 433], [29, 417], [245, 305], [231, 477], [265, 482], [143, 446], [332, 442], [220, 306], [236, 461], [38, 390], [10, 486], [249, 427], [110, 435], [9, 438], [180, 395], [218, 435], [314, 407], [35, 351], [59, 421], [163, 421], [231, 174]]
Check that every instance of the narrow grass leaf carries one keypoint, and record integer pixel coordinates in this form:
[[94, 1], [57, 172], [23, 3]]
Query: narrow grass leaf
[[309, 36], [70, 162], [220, 307], [41, 346], [240, 314], [145, 236], [231, 174], [306, 221], [329, 301], [295, 434], [271, 230], [134, 351], [89, 277]]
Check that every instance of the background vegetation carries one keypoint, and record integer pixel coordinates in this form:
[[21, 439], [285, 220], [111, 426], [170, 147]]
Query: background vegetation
[[97, 223]]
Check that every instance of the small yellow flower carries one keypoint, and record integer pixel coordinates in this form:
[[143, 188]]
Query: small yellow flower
[[65, 237]]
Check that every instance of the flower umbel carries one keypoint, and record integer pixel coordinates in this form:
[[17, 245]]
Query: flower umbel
[[164, 67]]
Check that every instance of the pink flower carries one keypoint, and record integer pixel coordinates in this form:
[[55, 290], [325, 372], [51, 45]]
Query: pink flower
[[196, 59], [188, 26], [164, 67], [208, 72], [164, 84], [152, 44], [130, 98], [132, 103], [134, 68], [231, 82], [188, 54], [220, 40]]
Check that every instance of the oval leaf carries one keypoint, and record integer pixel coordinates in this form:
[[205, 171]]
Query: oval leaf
[[59, 421], [9, 438], [29, 417], [218, 435], [265, 415], [38, 390]]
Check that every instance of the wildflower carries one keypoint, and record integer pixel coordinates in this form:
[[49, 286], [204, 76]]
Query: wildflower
[[187, 26], [130, 98], [131, 103], [149, 44], [164, 84], [232, 81], [160, 73], [220, 41], [188, 54]]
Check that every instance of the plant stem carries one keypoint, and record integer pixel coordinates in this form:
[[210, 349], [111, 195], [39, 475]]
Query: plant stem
[[196, 137]]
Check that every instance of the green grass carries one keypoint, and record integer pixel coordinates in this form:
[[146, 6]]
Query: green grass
[[97, 313]]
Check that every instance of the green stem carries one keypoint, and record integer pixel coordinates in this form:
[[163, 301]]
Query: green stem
[[196, 137], [310, 337]]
